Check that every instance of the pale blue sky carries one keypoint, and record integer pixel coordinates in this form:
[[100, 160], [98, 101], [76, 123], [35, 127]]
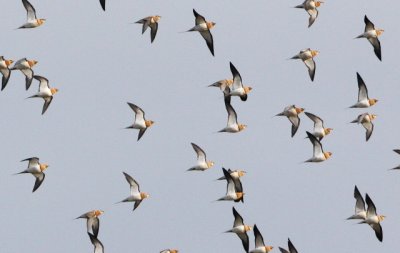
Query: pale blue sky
[[99, 61]]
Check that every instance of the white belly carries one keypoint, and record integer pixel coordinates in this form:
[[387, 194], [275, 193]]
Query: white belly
[[34, 169], [237, 92], [239, 229], [139, 125], [258, 250]]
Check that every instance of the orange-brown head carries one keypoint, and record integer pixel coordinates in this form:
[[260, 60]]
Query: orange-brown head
[[43, 166], [144, 195], [210, 25], [173, 251], [318, 3], [314, 53], [155, 19], [241, 173], [41, 21], [97, 213], [299, 110], [32, 63], [242, 127], [53, 91], [239, 195], [327, 155], [327, 130], [372, 116], [381, 217], [247, 89], [372, 101], [8, 62], [149, 123], [247, 228], [210, 164], [379, 32], [268, 248]]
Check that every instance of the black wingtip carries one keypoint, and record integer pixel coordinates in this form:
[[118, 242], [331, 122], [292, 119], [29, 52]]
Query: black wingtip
[[103, 4]]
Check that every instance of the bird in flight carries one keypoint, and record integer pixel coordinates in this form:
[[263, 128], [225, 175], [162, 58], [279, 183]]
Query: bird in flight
[[32, 21], [140, 122], [151, 22], [372, 34], [36, 169], [202, 163], [135, 195], [311, 7], [44, 92], [203, 27]]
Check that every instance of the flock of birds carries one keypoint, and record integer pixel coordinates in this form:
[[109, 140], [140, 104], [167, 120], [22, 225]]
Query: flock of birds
[[230, 88]]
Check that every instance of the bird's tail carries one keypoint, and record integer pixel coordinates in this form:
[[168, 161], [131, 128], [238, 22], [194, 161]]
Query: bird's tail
[[221, 178], [22, 172], [124, 200], [34, 96]]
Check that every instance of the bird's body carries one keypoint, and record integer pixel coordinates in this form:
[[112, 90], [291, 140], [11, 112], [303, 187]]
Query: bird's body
[[260, 246], [140, 122], [235, 174], [25, 66], [44, 92], [307, 56], [240, 229], [292, 113], [318, 153], [363, 100], [5, 71], [373, 219], [135, 194], [311, 7], [372, 34], [319, 130], [152, 22], [31, 21], [365, 120], [169, 251], [36, 169], [232, 126], [202, 162], [203, 27], [234, 189], [92, 221], [237, 88]]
